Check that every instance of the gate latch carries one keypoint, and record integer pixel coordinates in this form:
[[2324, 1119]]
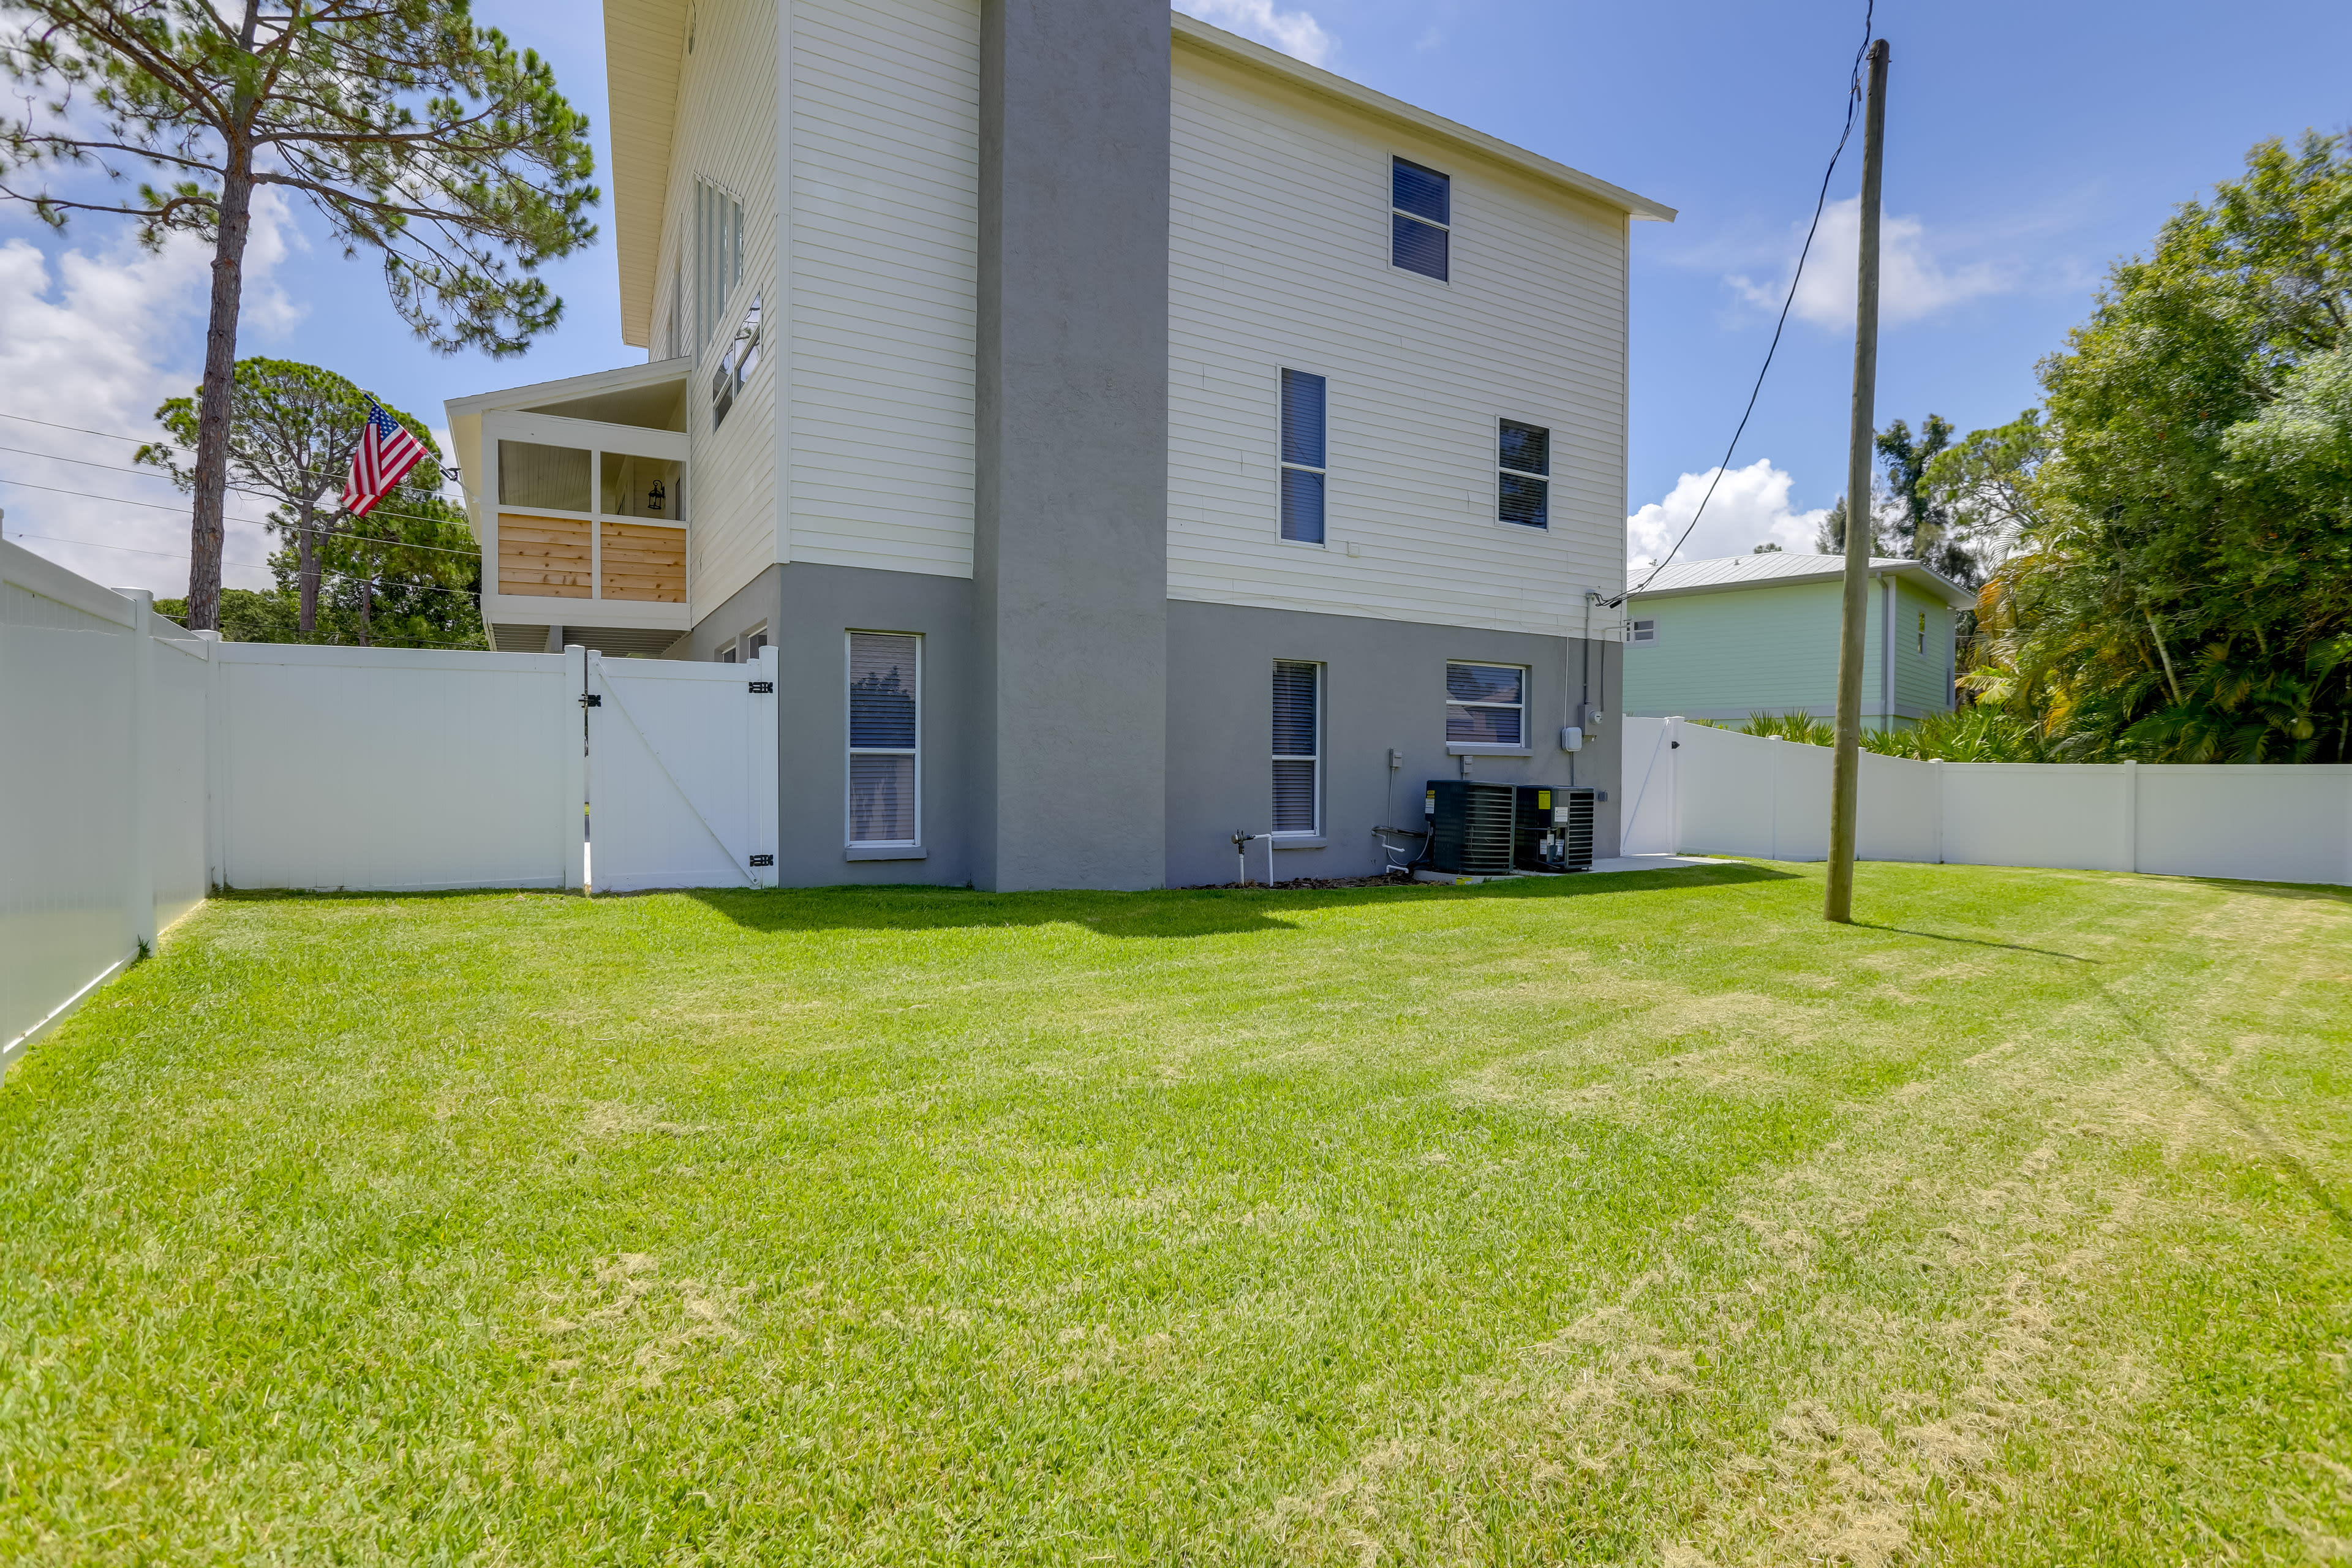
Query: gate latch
[[763, 859], [591, 700], [763, 688]]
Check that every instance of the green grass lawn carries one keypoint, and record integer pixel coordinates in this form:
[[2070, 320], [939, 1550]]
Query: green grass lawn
[[1633, 1219]]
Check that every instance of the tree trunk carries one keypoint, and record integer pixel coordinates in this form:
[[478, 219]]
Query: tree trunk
[[208, 528], [306, 568]]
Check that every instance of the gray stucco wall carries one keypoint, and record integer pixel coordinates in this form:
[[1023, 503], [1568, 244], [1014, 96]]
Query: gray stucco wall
[[1070, 554], [1383, 688], [810, 611]]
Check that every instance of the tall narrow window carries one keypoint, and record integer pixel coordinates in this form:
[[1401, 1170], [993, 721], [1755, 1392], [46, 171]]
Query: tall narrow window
[[885, 758], [718, 258], [1923, 631], [1421, 218], [1485, 704], [1297, 747], [1304, 473], [1523, 489]]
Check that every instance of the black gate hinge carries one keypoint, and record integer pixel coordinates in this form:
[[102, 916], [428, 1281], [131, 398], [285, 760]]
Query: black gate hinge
[[763, 859], [763, 688], [591, 700]]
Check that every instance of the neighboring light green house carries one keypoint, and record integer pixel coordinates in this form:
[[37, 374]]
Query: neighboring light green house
[[1758, 633]]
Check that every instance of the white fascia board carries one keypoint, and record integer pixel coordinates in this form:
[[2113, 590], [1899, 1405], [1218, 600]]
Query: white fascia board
[[1936, 583]]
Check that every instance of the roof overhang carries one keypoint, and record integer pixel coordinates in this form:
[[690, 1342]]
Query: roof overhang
[[645, 44], [1918, 573], [1190, 32]]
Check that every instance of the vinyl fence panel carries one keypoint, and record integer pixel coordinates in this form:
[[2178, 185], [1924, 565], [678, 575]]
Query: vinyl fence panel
[[1728, 794], [68, 791], [396, 769], [176, 783]]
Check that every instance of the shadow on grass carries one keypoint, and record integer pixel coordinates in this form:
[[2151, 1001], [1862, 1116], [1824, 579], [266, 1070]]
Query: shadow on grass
[[1975, 942], [1171, 912]]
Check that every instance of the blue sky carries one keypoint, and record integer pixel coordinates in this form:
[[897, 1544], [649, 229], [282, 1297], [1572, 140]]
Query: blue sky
[[2029, 146]]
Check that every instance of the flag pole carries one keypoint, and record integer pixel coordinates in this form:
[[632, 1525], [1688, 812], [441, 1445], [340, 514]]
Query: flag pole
[[1845, 776]]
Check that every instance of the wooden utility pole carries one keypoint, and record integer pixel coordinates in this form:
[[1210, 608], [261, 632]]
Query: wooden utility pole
[[1846, 767]]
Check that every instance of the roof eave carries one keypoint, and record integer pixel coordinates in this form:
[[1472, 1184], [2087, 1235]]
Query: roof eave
[[643, 51], [1951, 593], [1314, 79]]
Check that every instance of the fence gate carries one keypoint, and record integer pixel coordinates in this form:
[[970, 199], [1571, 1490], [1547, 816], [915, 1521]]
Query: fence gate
[[681, 774]]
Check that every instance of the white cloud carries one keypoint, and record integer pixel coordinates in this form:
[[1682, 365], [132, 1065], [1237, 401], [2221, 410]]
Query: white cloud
[[1750, 508], [1912, 281], [1294, 33], [94, 340]]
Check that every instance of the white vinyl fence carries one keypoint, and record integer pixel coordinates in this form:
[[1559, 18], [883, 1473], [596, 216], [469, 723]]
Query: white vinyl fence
[[142, 766], [1700, 790]]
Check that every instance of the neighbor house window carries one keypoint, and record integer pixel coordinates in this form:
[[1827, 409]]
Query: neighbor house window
[[1923, 631], [1642, 632], [885, 686], [735, 367], [1297, 747], [718, 258], [1421, 218], [1523, 490], [1304, 473], [1485, 704]]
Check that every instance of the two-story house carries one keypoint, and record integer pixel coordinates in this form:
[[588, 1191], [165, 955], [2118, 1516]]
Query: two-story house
[[1126, 435]]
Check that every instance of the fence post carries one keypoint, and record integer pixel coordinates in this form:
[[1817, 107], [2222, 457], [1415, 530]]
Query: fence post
[[1674, 813], [576, 773], [139, 897], [215, 760], [2128, 780], [1938, 775]]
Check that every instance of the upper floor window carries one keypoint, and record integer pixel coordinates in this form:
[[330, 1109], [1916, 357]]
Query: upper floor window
[[1485, 704], [1641, 633], [1523, 490], [1422, 218], [718, 258], [1303, 472], [742, 357]]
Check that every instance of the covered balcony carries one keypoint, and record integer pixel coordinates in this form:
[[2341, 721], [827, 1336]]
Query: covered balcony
[[579, 493]]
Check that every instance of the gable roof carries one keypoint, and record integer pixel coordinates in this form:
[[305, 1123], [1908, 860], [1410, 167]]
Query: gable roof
[[1778, 567]]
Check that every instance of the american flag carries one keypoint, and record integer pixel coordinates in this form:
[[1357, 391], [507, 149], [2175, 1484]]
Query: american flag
[[385, 454]]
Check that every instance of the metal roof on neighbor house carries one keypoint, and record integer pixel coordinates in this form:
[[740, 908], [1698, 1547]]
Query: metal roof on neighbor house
[[1778, 567]]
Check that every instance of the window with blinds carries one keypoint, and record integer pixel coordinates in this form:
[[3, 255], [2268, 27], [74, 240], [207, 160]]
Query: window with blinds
[[718, 258], [1421, 219], [1485, 704], [1523, 489], [1297, 747], [1303, 472], [885, 750]]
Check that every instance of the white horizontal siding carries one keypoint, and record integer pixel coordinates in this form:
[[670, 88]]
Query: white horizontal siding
[[886, 238], [726, 136], [1279, 245]]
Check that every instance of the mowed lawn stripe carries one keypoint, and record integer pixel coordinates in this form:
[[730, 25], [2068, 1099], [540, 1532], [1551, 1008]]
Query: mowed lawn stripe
[[1637, 1218]]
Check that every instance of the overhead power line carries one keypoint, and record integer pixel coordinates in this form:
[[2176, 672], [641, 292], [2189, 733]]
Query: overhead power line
[[473, 555], [1853, 104], [402, 585]]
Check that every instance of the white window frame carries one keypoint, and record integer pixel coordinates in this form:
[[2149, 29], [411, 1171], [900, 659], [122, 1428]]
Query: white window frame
[[848, 834], [1284, 465], [743, 649], [1488, 748], [718, 258], [1543, 479], [1633, 637], [1445, 229], [1316, 757]]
